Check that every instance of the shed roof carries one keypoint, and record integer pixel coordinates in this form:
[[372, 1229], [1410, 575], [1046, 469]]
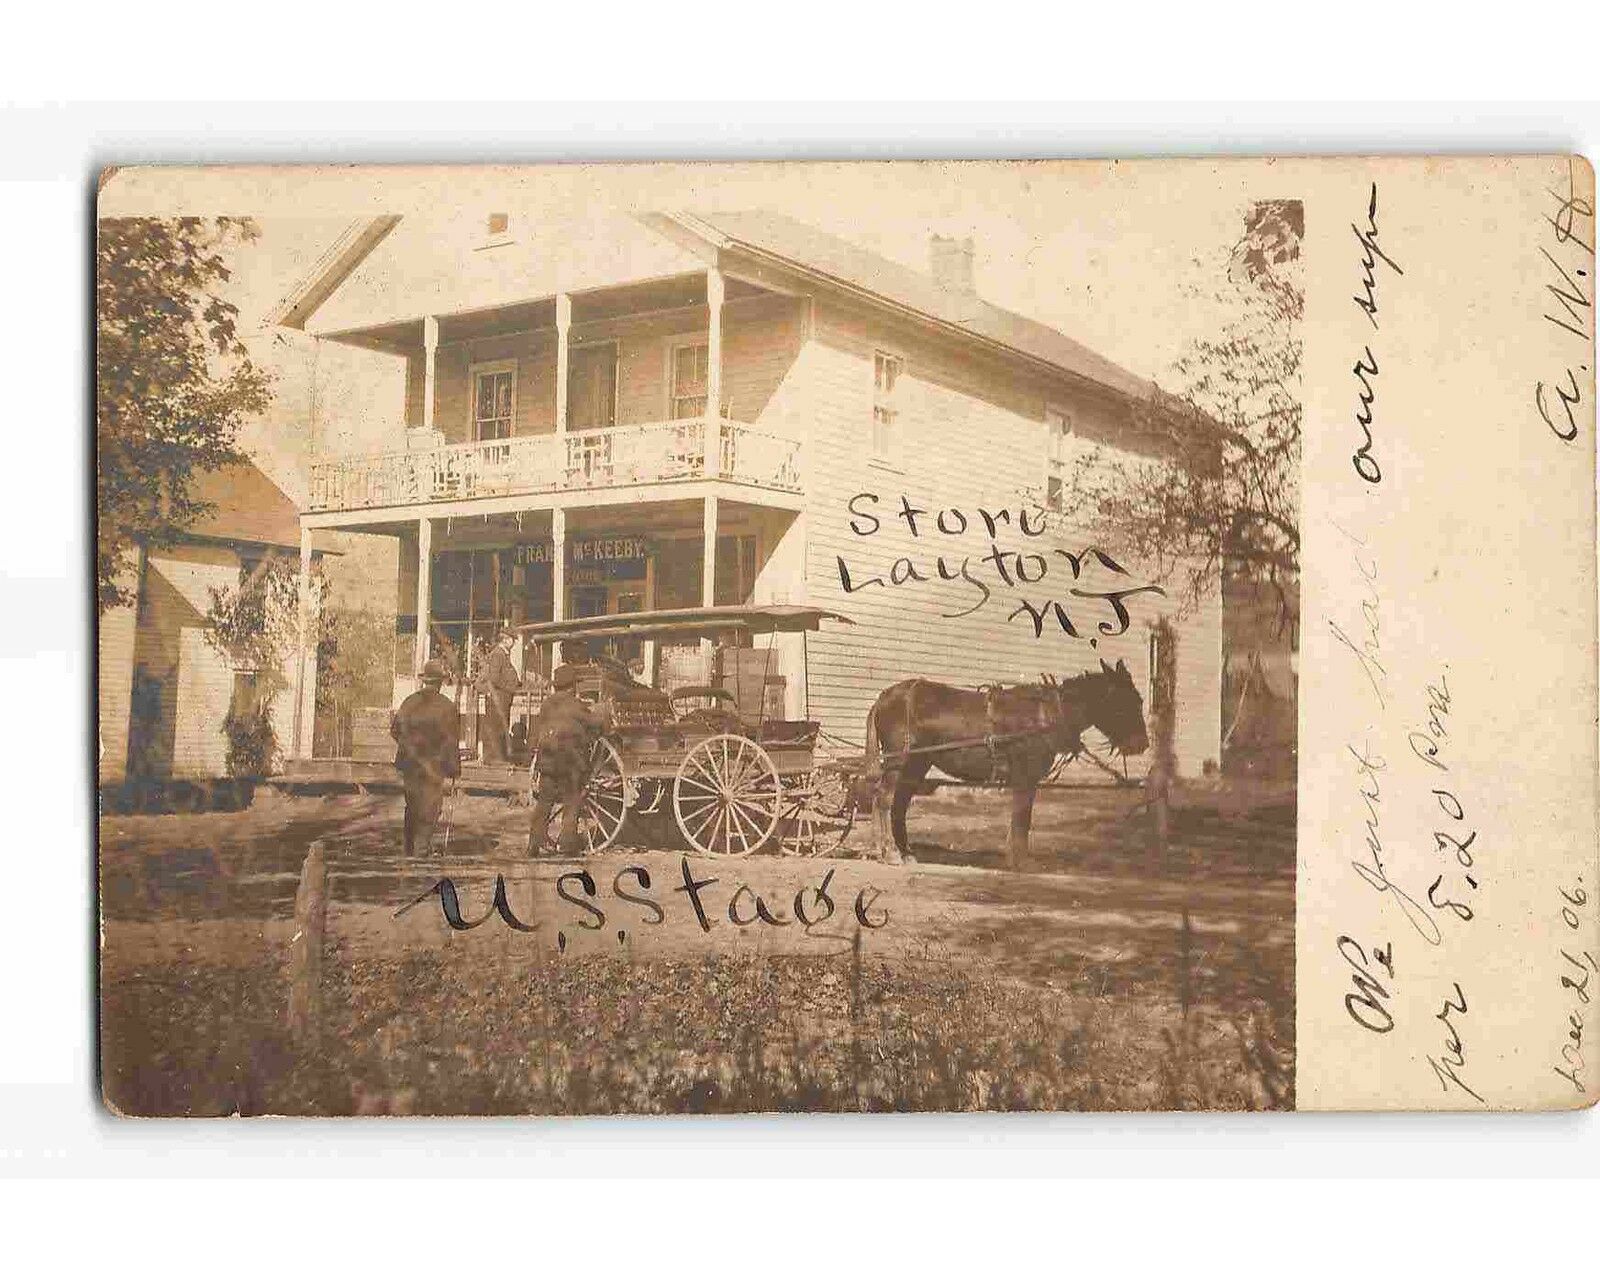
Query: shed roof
[[247, 506]]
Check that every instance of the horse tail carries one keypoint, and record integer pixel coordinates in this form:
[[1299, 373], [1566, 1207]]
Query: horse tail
[[866, 783]]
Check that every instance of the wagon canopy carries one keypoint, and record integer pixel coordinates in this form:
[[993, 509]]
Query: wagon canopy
[[691, 624]]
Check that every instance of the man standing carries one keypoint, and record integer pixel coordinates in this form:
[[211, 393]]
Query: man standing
[[563, 739], [426, 730], [500, 682]]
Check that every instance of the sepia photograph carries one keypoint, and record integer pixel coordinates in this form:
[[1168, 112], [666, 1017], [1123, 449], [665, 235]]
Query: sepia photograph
[[674, 639]]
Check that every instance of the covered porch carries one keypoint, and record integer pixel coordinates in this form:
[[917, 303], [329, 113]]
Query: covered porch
[[469, 570]]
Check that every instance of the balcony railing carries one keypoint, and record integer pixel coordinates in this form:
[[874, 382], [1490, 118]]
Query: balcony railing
[[647, 453]]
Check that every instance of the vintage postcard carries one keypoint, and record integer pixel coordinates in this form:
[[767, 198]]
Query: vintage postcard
[[848, 637]]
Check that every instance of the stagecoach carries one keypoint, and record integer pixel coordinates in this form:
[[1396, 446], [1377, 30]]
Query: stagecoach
[[713, 759]]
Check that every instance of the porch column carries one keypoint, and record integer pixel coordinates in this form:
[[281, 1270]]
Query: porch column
[[563, 350], [424, 589], [298, 744], [558, 574], [430, 350], [714, 295], [708, 573]]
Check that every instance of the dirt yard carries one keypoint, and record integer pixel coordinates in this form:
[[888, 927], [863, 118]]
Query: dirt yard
[[657, 980]]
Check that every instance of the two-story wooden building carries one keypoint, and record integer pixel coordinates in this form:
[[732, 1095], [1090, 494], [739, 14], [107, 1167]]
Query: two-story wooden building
[[622, 411]]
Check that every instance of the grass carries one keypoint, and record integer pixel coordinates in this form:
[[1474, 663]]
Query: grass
[[427, 1032], [1070, 991]]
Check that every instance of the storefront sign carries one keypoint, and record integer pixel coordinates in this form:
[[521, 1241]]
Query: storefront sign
[[587, 550]]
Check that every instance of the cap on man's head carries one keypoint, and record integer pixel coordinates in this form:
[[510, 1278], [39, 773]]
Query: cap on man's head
[[434, 670], [506, 633]]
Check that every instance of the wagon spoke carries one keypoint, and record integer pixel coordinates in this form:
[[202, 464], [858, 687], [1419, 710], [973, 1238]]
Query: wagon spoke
[[713, 809], [734, 820], [695, 812], [758, 819]]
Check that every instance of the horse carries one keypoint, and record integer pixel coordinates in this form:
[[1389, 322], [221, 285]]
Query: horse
[[1010, 735]]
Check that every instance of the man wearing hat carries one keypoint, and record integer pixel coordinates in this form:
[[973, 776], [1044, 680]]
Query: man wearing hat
[[500, 681], [563, 737], [426, 731]]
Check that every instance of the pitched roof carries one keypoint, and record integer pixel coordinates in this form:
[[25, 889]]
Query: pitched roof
[[372, 277], [248, 507], [828, 255]]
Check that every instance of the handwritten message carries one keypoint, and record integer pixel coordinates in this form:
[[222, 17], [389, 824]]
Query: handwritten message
[[1098, 582], [1577, 967], [1365, 369], [633, 899], [1567, 247]]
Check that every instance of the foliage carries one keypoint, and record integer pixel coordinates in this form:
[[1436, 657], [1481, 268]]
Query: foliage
[[173, 382], [252, 740], [355, 665], [256, 627], [448, 1033], [1222, 498]]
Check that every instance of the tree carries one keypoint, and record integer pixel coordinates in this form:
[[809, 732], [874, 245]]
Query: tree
[[1222, 496], [256, 628], [173, 382], [355, 667]]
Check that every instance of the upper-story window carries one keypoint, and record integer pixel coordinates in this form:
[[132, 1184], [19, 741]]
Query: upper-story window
[[1060, 448], [691, 365], [887, 372], [496, 231], [494, 400]]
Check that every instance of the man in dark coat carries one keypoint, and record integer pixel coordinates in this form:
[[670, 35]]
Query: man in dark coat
[[426, 730], [500, 681], [563, 737]]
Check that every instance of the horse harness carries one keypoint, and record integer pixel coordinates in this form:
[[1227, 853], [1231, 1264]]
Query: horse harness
[[1049, 714]]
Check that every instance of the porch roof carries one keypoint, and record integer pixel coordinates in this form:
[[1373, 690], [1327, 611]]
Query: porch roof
[[684, 623]]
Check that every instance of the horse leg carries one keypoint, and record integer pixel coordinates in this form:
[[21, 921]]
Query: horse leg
[[882, 789], [907, 786], [1021, 821]]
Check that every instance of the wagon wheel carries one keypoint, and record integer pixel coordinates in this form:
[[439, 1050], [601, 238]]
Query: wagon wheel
[[817, 815], [605, 800], [726, 796]]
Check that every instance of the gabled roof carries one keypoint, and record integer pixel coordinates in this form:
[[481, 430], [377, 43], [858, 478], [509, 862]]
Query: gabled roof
[[247, 507], [820, 253], [372, 278]]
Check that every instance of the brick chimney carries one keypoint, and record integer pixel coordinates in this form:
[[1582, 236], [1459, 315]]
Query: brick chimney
[[950, 262]]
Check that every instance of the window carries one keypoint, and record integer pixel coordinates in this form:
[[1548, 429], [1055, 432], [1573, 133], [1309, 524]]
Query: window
[[1059, 453], [246, 696], [690, 379], [887, 371], [494, 400]]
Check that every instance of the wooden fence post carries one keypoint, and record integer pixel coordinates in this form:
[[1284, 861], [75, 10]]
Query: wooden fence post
[[305, 954], [1163, 713]]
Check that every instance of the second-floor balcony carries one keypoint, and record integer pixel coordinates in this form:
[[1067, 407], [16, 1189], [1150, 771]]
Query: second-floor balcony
[[590, 459]]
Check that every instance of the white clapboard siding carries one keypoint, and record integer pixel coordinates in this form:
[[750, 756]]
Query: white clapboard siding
[[964, 439], [197, 681], [117, 629]]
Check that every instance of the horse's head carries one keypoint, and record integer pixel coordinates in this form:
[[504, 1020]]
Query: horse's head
[[1118, 710]]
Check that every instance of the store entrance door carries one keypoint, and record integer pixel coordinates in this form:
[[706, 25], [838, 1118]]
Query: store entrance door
[[589, 602]]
